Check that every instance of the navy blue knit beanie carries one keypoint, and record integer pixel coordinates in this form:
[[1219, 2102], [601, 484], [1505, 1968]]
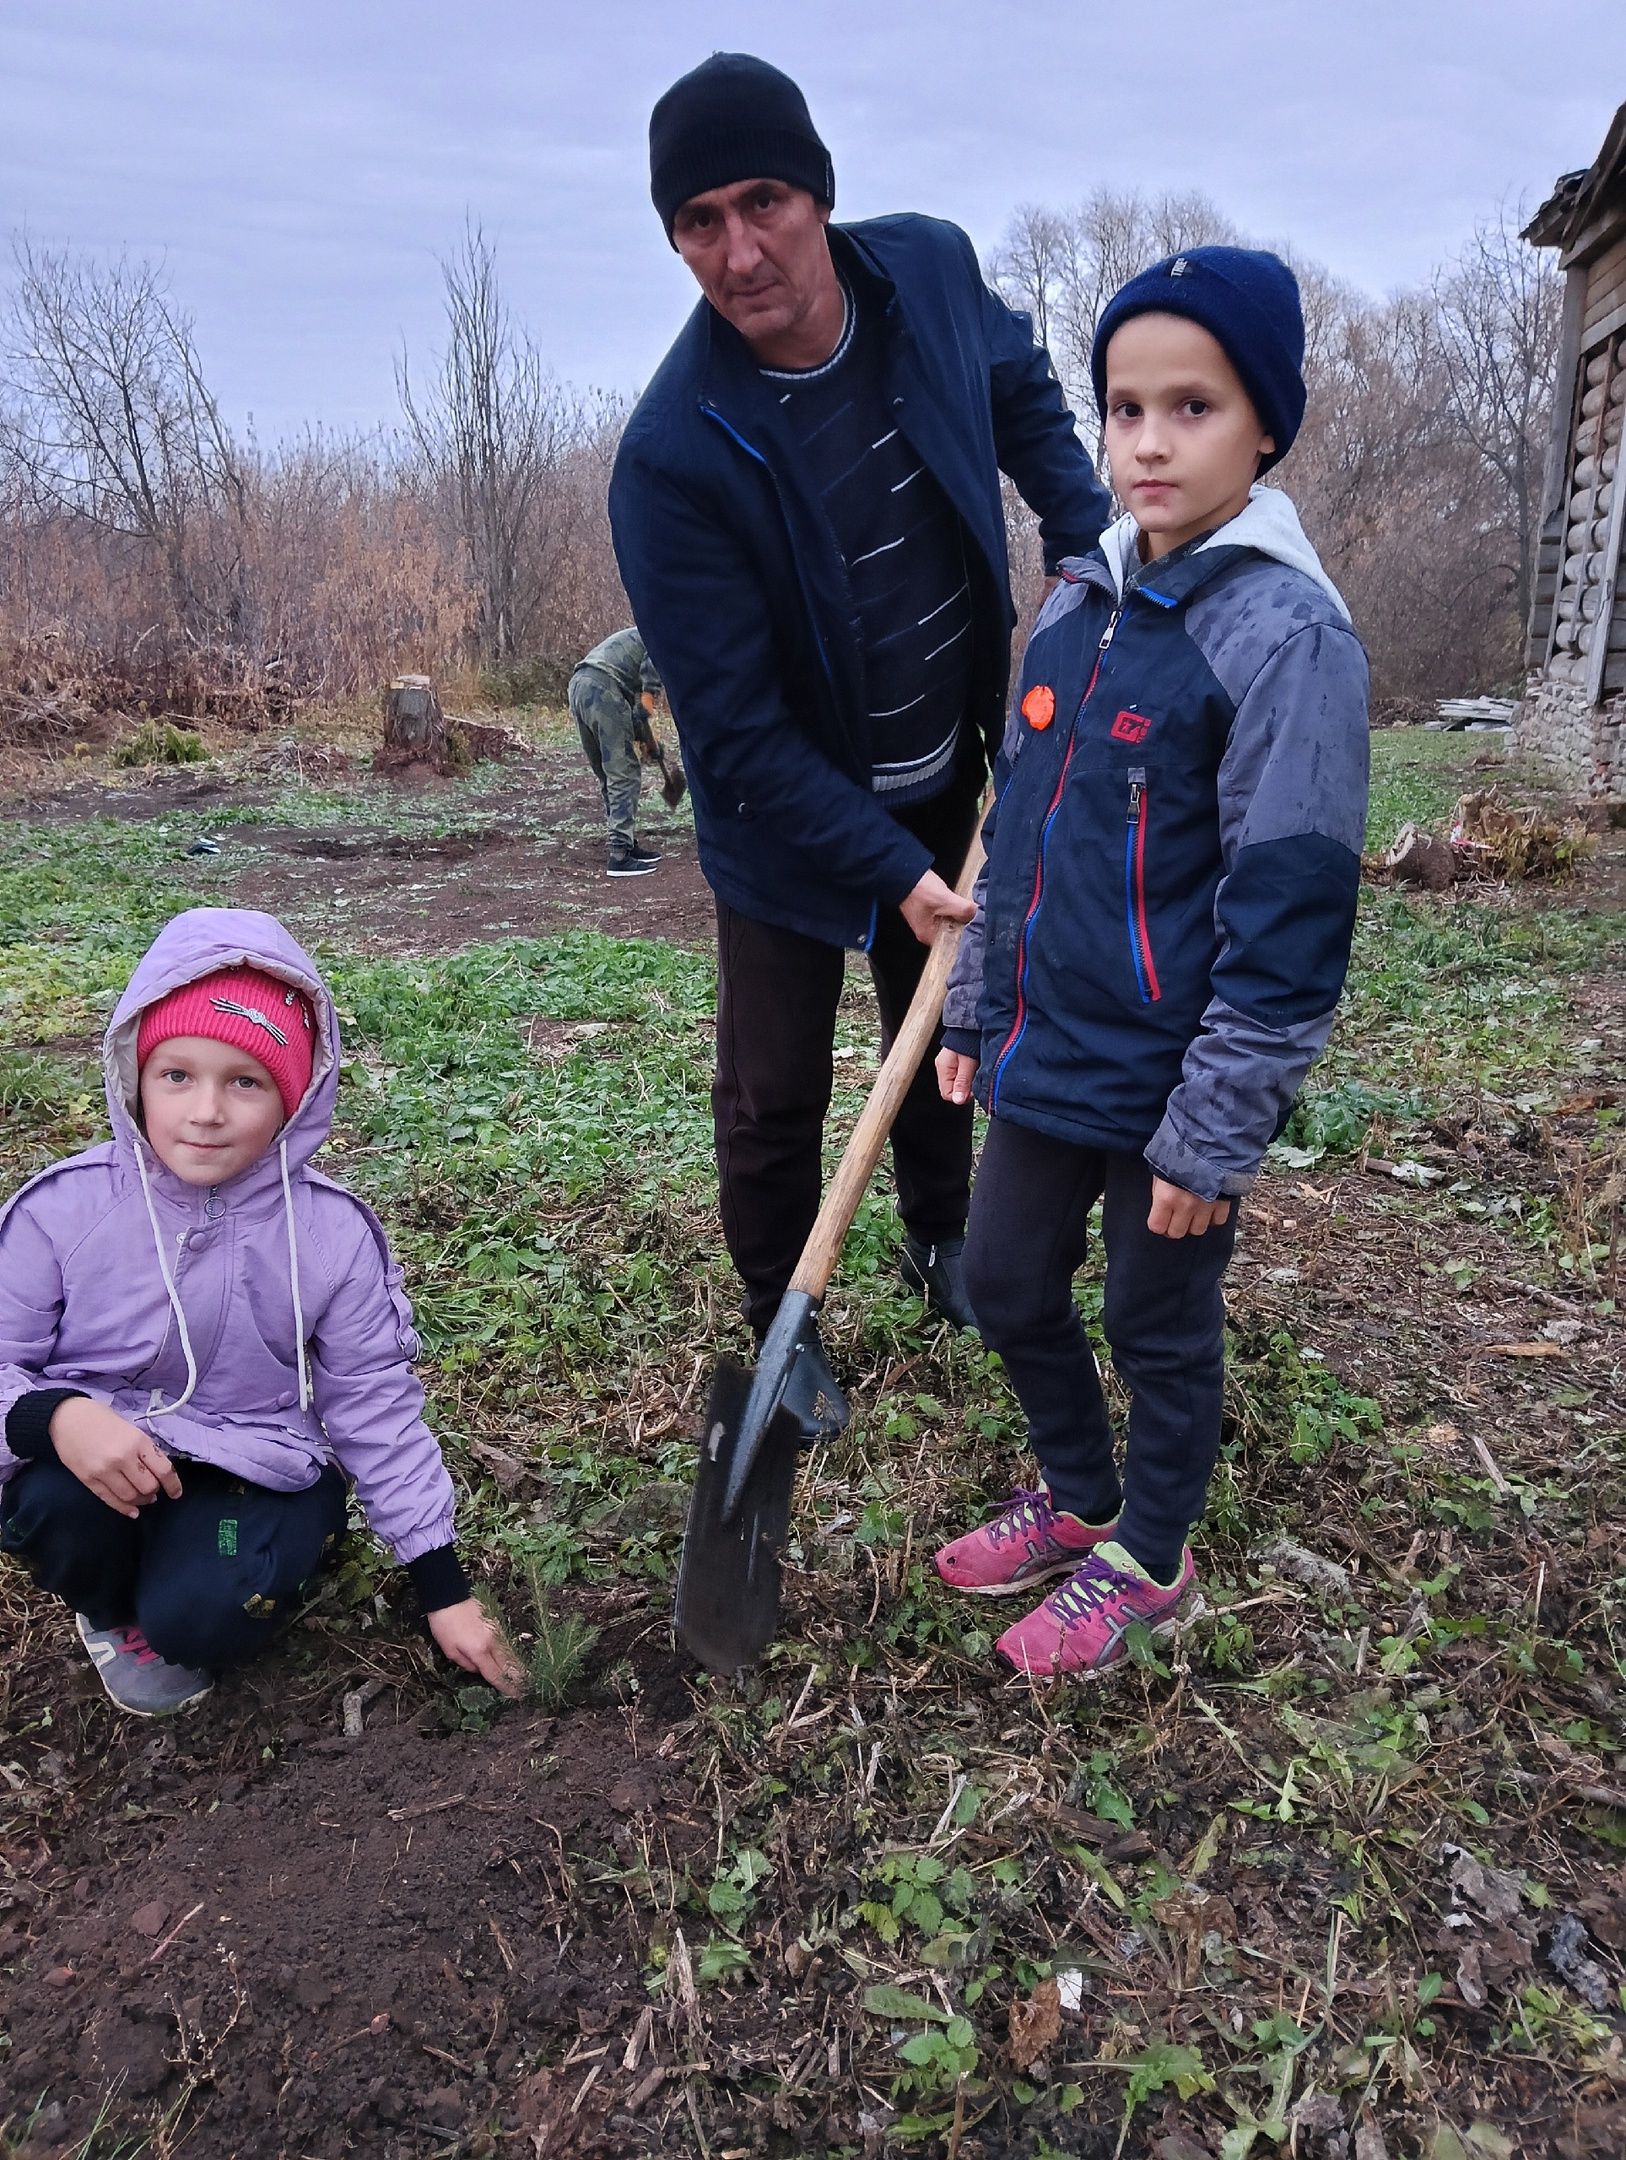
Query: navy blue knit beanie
[[1248, 299], [733, 118]]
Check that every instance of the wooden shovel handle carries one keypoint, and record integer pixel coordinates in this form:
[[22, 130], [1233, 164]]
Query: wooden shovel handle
[[863, 1150]]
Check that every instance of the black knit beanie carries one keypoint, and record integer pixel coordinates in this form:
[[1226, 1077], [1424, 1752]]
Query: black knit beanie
[[733, 118]]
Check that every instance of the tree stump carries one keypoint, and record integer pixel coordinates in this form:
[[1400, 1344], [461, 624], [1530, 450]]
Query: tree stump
[[1419, 858], [415, 728]]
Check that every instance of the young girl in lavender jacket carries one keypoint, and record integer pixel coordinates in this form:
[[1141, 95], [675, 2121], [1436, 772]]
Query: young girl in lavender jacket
[[204, 1342]]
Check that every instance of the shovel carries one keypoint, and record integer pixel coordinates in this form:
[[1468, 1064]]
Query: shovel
[[728, 1577], [650, 748], [673, 784]]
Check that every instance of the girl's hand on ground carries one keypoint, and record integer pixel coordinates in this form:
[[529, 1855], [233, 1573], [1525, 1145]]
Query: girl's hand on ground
[[955, 1073], [469, 1636], [1178, 1213], [116, 1460]]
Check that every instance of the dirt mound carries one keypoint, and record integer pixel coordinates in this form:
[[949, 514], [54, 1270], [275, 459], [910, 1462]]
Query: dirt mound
[[392, 847], [391, 1942]]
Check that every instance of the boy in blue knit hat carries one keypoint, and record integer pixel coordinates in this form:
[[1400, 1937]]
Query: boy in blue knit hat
[[1163, 930]]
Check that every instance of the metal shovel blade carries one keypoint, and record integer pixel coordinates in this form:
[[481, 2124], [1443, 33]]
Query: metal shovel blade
[[728, 1579], [674, 785]]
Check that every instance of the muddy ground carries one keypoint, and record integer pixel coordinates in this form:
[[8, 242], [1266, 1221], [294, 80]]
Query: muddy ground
[[302, 1942], [251, 1935], [422, 865]]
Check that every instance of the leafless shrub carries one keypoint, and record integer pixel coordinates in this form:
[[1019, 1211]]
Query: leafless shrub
[[152, 563], [1418, 465]]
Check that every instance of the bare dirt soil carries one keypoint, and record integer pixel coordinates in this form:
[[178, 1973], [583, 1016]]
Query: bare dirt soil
[[307, 1943], [528, 862]]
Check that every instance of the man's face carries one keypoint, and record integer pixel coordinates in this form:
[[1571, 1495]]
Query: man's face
[[759, 253], [209, 1110], [1183, 439]]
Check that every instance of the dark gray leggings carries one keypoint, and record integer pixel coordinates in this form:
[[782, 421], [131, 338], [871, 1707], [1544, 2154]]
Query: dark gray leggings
[[1164, 1319]]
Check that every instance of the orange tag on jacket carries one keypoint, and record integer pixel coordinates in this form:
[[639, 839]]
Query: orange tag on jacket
[[1039, 706]]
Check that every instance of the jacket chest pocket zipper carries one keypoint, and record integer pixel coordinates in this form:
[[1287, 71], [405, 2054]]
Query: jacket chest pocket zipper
[[1140, 942]]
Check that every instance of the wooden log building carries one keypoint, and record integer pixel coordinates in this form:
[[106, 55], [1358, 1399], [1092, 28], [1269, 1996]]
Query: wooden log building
[[1574, 713]]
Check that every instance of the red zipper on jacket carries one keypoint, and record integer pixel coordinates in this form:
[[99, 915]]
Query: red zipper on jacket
[[1021, 1019]]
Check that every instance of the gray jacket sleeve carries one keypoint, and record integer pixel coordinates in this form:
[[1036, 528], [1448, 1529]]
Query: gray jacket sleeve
[[1292, 789]]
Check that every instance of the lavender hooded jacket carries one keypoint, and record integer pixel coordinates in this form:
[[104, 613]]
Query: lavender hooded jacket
[[258, 1325]]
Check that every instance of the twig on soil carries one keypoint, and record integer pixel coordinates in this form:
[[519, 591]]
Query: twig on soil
[[586, 2087], [949, 1806], [645, 2092], [464, 2069], [1491, 1469], [155, 1954], [694, 2117], [640, 2038], [957, 2128]]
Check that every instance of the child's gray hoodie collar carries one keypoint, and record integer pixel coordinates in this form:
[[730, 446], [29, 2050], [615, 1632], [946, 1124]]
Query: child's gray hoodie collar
[[1268, 523]]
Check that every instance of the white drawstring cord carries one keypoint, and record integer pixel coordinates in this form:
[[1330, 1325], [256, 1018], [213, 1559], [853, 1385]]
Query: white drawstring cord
[[185, 1396], [293, 1280]]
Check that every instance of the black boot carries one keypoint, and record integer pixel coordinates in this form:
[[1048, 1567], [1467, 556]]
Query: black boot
[[937, 1273]]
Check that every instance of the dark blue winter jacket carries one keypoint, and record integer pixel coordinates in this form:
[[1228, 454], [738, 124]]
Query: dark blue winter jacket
[[741, 595], [1174, 853]]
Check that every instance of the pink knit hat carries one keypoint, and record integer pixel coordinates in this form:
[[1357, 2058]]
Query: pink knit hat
[[249, 1009]]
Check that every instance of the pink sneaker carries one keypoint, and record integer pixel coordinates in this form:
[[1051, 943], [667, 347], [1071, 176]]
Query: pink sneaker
[[1080, 1628], [1029, 1542]]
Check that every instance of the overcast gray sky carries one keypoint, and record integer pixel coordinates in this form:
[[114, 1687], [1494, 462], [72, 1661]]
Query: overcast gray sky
[[300, 164]]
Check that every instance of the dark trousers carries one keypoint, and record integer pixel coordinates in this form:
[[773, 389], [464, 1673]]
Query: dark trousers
[[777, 993], [207, 1578], [1164, 1319]]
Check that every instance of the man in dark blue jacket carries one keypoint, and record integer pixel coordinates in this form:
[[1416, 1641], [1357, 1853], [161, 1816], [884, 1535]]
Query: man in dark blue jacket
[[808, 518]]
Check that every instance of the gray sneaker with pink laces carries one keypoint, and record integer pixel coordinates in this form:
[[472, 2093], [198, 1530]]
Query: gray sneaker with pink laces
[[136, 1677]]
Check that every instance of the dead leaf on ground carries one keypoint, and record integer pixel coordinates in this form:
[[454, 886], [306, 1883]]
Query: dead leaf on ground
[[1035, 2025]]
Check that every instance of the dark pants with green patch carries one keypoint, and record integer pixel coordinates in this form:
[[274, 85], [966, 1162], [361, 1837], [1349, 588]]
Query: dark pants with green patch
[[606, 723], [208, 1578]]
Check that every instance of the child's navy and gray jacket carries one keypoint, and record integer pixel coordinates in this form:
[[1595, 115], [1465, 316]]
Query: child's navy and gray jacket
[[1174, 852]]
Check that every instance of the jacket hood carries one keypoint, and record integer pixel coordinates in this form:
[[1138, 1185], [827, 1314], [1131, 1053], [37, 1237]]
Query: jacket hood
[[1267, 523], [189, 946]]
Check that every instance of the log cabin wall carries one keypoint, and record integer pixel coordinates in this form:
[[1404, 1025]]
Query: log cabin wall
[[1574, 712]]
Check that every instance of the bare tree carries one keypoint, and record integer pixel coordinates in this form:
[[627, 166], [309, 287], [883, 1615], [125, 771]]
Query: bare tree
[[110, 420], [490, 433], [1064, 266], [1497, 310]]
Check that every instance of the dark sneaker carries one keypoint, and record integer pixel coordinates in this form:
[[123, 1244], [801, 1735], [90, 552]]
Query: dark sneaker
[[136, 1677], [937, 1274], [634, 861], [812, 1396]]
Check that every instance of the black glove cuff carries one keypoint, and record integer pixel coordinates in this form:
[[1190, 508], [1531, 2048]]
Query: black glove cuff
[[28, 1423], [438, 1578]]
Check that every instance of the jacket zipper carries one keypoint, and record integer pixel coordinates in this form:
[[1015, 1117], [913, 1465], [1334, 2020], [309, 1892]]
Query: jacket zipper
[[711, 413], [1140, 943], [1024, 942], [751, 451]]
